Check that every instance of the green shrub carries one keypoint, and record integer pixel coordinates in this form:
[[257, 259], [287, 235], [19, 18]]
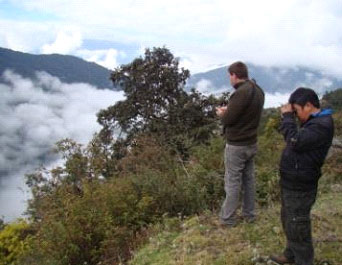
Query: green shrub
[[267, 186], [86, 220], [14, 242], [96, 226], [177, 187], [338, 123], [270, 146]]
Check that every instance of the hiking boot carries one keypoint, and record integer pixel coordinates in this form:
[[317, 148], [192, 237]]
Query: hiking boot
[[227, 226], [248, 220], [281, 259]]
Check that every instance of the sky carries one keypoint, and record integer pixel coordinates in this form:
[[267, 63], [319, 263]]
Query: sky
[[202, 33]]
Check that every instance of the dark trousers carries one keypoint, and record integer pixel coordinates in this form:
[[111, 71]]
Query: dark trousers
[[295, 217]]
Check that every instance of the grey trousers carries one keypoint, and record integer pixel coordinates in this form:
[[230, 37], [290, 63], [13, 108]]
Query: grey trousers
[[239, 176]]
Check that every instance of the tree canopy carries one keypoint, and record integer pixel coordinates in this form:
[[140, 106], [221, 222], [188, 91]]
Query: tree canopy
[[157, 104]]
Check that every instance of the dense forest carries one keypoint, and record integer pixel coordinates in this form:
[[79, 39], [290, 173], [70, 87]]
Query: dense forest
[[147, 187]]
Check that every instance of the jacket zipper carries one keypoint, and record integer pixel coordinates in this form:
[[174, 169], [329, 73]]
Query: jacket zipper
[[296, 162]]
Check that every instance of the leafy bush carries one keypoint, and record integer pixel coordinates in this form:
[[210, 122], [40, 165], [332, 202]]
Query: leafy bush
[[338, 123], [333, 99], [208, 165], [267, 161], [332, 170], [84, 219], [97, 225], [178, 187], [14, 242]]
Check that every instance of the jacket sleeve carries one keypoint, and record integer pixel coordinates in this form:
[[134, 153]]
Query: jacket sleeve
[[303, 139], [235, 107]]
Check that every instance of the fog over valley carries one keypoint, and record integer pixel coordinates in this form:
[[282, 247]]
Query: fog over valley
[[34, 115]]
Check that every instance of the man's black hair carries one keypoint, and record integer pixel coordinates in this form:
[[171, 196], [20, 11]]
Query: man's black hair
[[303, 95]]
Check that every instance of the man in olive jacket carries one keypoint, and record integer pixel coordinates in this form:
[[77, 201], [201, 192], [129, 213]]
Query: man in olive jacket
[[300, 170], [240, 120]]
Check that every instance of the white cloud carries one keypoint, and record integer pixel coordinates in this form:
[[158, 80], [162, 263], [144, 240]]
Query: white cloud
[[320, 85], [106, 58], [48, 104], [204, 86], [24, 36], [276, 100], [197, 62], [34, 114], [69, 41], [66, 42]]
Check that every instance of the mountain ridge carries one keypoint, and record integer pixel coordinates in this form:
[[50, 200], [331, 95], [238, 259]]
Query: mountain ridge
[[271, 79], [68, 68], [72, 69]]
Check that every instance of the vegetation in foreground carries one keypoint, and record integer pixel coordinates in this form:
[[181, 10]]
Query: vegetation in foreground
[[201, 240], [147, 187]]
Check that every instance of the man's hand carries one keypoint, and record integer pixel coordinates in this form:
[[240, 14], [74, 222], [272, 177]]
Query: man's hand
[[286, 108], [220, 111]]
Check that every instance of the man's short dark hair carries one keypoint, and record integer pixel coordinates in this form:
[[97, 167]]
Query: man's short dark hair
[[303, 95], [239, 69]]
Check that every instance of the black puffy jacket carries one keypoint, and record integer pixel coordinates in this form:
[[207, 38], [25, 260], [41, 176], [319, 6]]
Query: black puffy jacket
[[305, 151]]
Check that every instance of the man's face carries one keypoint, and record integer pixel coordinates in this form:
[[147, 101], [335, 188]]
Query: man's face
[[303, 113], [232, 78]]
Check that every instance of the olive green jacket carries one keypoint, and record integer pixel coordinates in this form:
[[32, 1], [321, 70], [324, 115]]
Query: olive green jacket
[[242, 117]]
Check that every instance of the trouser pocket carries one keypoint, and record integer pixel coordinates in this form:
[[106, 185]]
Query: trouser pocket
[[299, 229]]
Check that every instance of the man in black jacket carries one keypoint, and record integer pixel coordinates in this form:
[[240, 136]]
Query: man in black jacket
[[300, 169]]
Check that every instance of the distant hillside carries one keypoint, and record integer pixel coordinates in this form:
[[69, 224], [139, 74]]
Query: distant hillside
[[333, 99], [68, 69], [71, 69], [272, 79]]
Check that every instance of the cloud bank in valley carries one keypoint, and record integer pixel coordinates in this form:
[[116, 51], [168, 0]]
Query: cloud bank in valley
[[37, 113], [34, 115]]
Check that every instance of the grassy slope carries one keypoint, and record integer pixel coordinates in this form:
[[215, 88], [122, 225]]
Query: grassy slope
[[200, 239]]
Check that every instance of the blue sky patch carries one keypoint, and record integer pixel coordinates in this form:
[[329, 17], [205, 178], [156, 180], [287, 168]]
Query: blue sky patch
[[15, 12]]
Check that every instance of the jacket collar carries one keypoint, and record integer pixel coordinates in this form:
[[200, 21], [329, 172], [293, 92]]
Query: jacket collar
[[237, 85], [321, 113]]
